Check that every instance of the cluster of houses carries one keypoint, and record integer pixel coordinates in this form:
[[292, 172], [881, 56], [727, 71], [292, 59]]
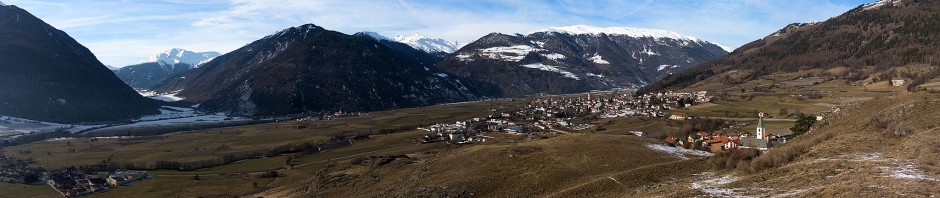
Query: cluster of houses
[[548, 115], [72, 182], [18, 171], [720, 142]]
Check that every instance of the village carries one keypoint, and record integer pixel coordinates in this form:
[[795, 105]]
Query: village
[[69, 182], [571, 114], [720, 142], [563, 115]]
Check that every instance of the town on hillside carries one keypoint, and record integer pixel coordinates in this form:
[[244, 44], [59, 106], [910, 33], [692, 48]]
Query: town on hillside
[[559, 115]]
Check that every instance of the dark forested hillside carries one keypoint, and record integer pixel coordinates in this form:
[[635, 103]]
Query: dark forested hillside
[[311, 69], [46, 75]]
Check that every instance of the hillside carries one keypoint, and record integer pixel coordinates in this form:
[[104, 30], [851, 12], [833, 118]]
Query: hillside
[[49, 76], [880, 148], [310, 69], [575, 59], [528, 169], [889, 39]]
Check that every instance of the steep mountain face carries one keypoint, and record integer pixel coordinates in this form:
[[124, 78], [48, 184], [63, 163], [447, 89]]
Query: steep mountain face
[[884, 34], [46, 75], [311, 69], [162, 66], [577, 59]]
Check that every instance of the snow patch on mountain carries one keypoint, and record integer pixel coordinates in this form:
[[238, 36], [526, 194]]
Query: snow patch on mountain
[[554, 56], [625, 31], [512, 53], [550, 68], [177, 55], [662, 67], [598, 59], [879, 4]]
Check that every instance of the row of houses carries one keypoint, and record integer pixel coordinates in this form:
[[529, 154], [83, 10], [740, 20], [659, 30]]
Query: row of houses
[[719, 142], [73, 182], [18, 171]]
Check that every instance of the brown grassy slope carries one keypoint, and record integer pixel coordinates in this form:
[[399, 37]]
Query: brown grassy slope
[[527, 169], [862, 159]]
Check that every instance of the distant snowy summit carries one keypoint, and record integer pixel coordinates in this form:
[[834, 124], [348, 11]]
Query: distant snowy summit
[[421, 42], [623, 31], [626, 31], [177, 55]]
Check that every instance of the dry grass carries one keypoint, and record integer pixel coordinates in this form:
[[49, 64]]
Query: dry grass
[[559, 165]]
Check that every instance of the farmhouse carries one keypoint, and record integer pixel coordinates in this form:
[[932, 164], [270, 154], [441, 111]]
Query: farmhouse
[[679, 116]]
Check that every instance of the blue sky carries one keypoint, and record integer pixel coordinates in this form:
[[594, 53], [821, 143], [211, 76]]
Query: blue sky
[[123, 32]]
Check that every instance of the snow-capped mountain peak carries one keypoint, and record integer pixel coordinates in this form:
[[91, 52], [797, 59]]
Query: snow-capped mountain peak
[[420, 42], [626, 31], [426, 44], [177, 55]]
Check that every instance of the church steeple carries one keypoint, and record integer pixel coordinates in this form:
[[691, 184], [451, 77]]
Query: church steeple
[[760, 126]]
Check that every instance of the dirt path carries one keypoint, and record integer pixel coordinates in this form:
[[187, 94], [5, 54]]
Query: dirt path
[[601, 178]]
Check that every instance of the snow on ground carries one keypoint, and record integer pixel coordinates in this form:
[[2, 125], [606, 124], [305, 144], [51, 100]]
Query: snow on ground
[[677, 152], [908, 170], [464, 57], [442, 75], [512, 53], [889, 167], [711, 185], [598, 59], [169, 116], [662, 67], [879, 4], [11, 126], [550, 68], [199, 119], [554, 56], [168, 97], [595, 75]]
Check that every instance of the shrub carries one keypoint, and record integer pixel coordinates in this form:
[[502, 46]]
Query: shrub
[[787, 153]]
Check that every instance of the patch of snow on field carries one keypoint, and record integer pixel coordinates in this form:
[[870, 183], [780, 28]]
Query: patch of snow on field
[[908, 170], [677, 152], [711, 186]]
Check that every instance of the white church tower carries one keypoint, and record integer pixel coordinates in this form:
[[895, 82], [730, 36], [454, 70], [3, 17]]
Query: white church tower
[[760, 126]]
